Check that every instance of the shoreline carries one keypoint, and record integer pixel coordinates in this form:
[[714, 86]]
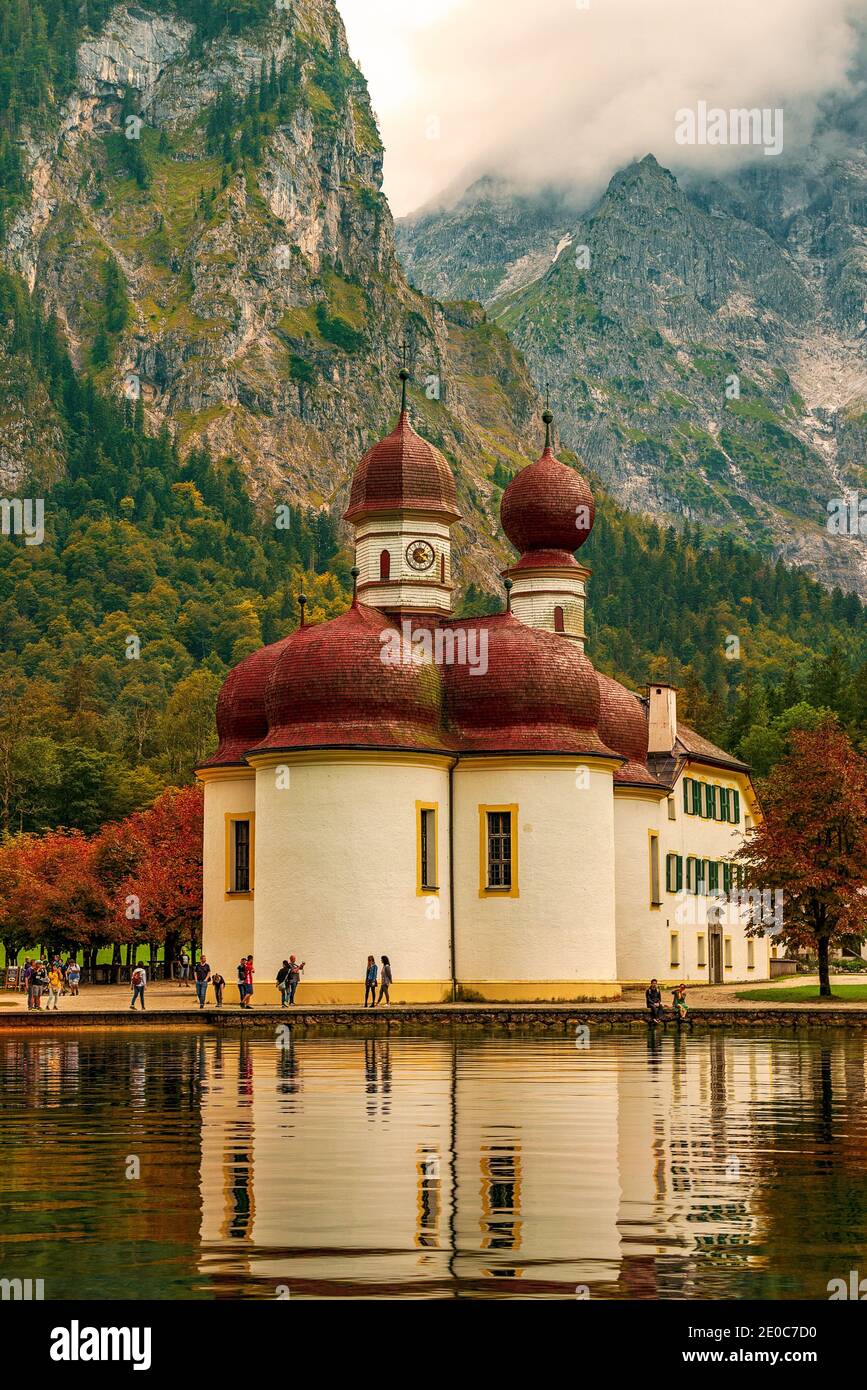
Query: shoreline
[[398, 1018]]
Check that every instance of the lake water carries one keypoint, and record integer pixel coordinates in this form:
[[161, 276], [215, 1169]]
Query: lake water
[[190, 1165]]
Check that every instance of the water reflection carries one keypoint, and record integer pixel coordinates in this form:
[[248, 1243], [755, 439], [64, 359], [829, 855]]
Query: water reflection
[[640, 1167]]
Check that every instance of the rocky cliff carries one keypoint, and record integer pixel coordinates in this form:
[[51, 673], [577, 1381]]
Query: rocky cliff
[[704, 344], [205, 217]]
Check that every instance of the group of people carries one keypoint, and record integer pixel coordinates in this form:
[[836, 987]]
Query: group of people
[[288, 979], [50, 979], [656, 1008]]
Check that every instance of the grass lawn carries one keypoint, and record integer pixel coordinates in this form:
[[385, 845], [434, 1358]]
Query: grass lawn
[[803, 994]]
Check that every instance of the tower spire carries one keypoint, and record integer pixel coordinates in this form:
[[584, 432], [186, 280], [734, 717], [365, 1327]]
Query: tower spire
[[547, 417], [404, 375]]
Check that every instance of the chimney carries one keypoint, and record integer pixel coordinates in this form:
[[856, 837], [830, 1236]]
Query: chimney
[[661, 717]]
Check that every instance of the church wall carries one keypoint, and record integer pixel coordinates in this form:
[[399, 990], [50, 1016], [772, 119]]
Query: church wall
[[227, 922], [555, 938], [336, 875], [644, 946]]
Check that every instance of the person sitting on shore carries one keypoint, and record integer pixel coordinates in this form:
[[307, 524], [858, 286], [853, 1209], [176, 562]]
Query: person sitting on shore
[[679, 1004], [653, 999]]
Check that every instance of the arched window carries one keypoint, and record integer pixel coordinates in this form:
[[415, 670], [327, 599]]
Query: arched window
[[385, 565], [558, 619]]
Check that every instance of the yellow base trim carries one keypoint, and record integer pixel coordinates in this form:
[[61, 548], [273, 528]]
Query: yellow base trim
[[543, 991], [346, 992]]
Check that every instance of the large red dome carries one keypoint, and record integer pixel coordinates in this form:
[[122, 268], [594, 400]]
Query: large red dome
[[547, 506], [402, 473], [539, 693], [331, 688], [241, 718]]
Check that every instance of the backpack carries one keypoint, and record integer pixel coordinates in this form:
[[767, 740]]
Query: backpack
[[137, 977]]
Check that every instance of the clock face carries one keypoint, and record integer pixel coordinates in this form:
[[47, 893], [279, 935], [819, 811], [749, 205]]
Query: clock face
[[420, 555]]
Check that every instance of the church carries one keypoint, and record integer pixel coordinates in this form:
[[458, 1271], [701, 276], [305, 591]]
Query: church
[[466, 796]]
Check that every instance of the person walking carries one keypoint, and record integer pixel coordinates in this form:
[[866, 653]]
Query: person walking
[[370, 982], [219, 985], [294, 976], [73, 977], [248, 980], [139, 981], [283, 984], [203, 975], [55, 984], [385, 980]]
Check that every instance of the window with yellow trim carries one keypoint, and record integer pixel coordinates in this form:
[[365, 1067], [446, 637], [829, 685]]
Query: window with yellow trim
[[674, 959], [727, 947], [498, 850], [239, 855], [655, 893], [702, 957], [427, 857]]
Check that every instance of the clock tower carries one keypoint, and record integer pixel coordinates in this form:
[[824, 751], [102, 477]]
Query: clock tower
[[402, 506]]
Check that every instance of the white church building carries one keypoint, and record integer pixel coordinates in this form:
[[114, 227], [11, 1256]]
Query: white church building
[[466, 796]]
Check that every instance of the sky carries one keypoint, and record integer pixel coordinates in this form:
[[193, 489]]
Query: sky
[[569, 91]]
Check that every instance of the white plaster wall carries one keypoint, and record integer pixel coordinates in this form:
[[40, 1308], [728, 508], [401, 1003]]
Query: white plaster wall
[[227, 924], [534, 601], [561, 926], [643, 935], [336, 871], [408, 586]]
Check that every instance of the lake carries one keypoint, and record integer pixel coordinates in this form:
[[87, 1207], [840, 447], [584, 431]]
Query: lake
[[185, 1165]]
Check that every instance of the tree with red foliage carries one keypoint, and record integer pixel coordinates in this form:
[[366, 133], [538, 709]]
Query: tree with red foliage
[[812, 843], [50, 893], [165, 886]]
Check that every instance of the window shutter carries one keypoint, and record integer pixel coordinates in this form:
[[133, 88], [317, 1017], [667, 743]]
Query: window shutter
[[710, 800], [687, 803], [679, 873], [727, 878], [700, 876], [696, 799], [670, 870], [736, 808], [713, 875]]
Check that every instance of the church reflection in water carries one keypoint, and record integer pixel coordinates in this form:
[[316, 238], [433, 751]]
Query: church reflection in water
[[666, 1166]]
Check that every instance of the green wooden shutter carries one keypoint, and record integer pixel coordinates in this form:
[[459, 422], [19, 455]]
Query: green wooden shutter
[[687, 804], [736, 808], [696, 799], [689, 880], [712, 875], [679, 873], [710, 800], [700, 876], [727, 878], [670, 872]]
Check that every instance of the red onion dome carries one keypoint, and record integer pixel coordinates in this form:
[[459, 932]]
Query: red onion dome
[[538, 694], [547, 506], [349, 683], [241, 718], [402, 473], [623, 726]]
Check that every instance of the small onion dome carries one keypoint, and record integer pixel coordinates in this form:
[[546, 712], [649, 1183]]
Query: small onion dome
[[402, 473], [547, 506], [241, 719], [623, 726], [539, 694], [333, 687]]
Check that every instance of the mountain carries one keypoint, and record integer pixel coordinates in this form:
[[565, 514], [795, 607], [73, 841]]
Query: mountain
[[704, 344], [234, 262]]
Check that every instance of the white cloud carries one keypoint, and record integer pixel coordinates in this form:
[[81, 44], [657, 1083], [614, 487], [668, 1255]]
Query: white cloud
[[550, 91]]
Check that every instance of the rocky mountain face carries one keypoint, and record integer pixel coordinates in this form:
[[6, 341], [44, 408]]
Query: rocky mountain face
[[704, 344], [206, 220]]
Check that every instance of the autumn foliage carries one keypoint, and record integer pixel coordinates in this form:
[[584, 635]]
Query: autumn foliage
[[812, 843], [137, 881]]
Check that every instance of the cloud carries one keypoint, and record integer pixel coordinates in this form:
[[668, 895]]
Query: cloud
[[553, 92]]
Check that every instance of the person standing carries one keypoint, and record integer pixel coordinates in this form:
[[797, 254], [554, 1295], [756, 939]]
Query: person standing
[[385, 980], [38, 983], [139, 981], [242, 980], [219, 985], [294, 976], [248, 980], [55, 984], [370, 982], [185, 969], [203, 975], [73, 977], [283, 984]]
